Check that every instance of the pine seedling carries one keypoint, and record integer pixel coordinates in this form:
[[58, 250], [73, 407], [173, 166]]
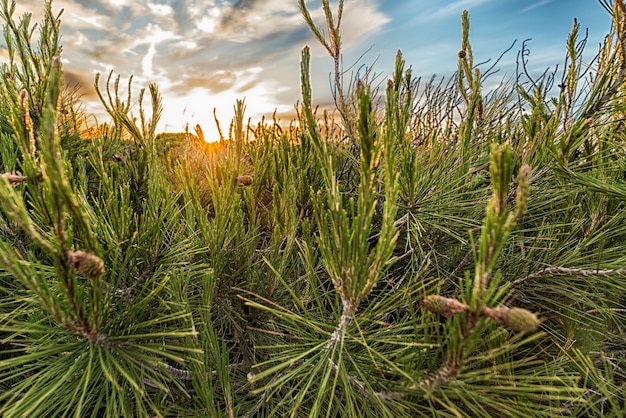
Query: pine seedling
[[352, 266], [352, 263], [77, 336], [238, 128], [55, 194], [332, 43], [470, 87], [497, 226], [28, 64]]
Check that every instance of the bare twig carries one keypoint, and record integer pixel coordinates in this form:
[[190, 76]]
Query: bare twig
[[183, 374], [127, 291], [438, 378], [464, 262], [566, 271]]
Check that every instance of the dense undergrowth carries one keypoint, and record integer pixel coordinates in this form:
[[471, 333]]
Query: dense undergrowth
[[431, 250]]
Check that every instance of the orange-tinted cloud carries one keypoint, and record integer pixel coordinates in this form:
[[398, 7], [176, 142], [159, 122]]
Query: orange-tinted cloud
[[79, 82]]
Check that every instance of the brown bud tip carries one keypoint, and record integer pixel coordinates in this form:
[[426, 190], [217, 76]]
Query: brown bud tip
[[444, 306], [462, 54], [496, 314], [86, 264], [244, 180], [14, 179], [524, 171], [518, 319]]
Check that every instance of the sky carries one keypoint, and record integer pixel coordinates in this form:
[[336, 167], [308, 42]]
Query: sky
[[206, 54]]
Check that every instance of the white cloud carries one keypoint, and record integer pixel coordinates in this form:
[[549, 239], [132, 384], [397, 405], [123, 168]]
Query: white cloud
[[93, 21], [146, 63], [208, 23], [186, 44], [155, 33], [117, 4], [75, 14], [361, 22], [160, 9], [77, 39]]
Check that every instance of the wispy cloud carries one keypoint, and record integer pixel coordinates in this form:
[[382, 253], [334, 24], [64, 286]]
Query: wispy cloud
[[454, 8], [535, 5]]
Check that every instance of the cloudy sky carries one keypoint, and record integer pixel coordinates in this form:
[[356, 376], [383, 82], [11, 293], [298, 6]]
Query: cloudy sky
[[204, 54]]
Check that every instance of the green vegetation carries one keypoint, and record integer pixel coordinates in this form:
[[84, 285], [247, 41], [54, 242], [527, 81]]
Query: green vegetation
[[439, 251]]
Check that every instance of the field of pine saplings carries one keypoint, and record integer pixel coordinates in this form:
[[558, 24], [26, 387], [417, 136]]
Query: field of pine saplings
[[427, 249]]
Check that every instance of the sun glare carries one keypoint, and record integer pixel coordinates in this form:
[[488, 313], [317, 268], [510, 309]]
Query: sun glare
[[200, 106]]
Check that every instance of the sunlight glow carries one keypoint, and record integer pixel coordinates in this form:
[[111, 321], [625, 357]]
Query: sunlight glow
[[197, 108]]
